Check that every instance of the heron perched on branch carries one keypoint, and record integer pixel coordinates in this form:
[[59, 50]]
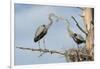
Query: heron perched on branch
[[76, 37], [43, 29]]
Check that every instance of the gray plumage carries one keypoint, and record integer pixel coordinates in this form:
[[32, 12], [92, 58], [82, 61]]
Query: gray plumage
[[40, 32], [43, 29], [76, 37]]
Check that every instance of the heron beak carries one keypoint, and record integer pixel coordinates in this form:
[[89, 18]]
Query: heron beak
[[62, 18], [57, 19]]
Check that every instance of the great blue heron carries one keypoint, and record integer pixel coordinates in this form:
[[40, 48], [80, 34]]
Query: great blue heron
[[43, 29], [76, 37]]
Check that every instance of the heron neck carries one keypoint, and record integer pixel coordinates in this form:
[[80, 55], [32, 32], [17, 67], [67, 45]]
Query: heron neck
[[68, 27], [50, 22]]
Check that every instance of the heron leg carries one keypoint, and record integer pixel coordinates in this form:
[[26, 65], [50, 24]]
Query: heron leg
[[44, 43], [78, 47], [39, 44], [78, 57]]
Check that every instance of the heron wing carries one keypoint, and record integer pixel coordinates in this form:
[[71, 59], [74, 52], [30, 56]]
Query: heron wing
[[39, 30], [79, 37]]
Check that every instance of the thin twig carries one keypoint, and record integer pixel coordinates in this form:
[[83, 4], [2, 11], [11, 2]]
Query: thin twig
[[78, 25], [42, 50]]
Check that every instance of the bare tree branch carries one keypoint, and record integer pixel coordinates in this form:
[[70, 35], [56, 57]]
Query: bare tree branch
[[70, 54], [42, 50], [78, 25]]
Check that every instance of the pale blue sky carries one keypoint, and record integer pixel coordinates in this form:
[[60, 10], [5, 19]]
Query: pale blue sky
[[27, 19]]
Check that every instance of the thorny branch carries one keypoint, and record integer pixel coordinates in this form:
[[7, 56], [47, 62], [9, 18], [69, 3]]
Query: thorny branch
[[42, 50], [78, 25]]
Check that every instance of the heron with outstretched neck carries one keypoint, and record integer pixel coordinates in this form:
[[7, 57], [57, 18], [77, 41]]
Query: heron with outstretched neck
[[43, 29]]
